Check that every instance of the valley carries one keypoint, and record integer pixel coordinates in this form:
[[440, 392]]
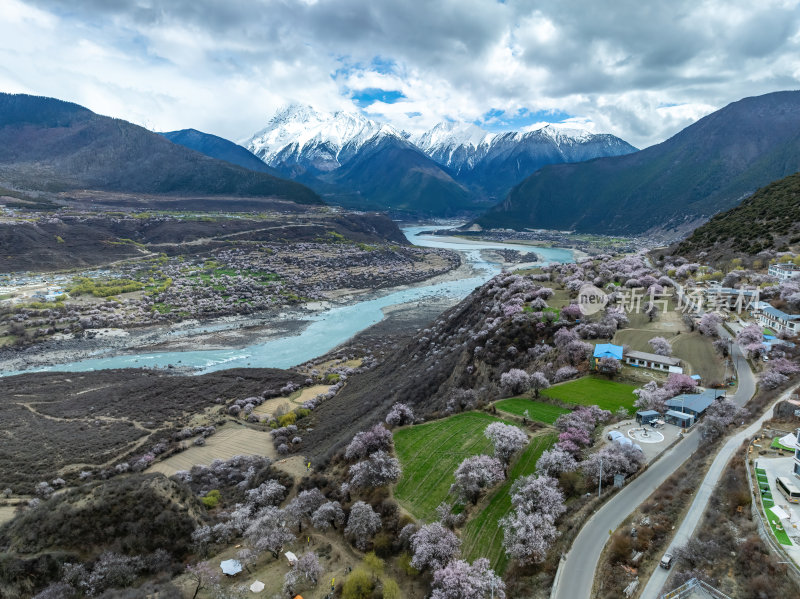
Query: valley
[[429, 337]]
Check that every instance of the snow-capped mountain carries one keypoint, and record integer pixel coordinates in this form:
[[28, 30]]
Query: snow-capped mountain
[[322, 141], [497, 161], [363, 163], [455, 145], [357, 162]]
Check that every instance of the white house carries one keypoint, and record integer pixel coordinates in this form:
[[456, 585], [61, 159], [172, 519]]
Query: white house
[[797, 453], [777, 320], [653, 361], [784, 271]]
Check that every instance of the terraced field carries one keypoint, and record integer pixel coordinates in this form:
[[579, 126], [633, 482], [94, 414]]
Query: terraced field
[[537, 410], [590, 390], [482, 535], [430, 453], [230, 440]]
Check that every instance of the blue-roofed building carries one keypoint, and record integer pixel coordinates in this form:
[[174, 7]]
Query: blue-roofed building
[[776, 319], [607, 350], [694, 403]]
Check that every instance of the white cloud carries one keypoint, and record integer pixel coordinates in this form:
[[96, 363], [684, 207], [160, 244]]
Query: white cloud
[[639, 70]]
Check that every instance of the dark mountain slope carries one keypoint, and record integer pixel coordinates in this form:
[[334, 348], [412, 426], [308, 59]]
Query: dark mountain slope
[[707, 167], [513, 157], [391, 174], [767, 220], [219, 148], [47, 144]]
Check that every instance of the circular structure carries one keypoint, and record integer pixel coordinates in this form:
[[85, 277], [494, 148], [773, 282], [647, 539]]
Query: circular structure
[[644, 435]]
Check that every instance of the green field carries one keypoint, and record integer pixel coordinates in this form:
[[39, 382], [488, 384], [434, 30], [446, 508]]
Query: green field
[[777, 445], [537, 410], [483, 536], [588, 391], [430, 453], [774, 523]]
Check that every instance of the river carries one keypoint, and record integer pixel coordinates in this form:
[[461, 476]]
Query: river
[[328, 328]]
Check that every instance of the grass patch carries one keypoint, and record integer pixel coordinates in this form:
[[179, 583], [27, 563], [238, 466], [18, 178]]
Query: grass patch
[[483, 536], [587, 391], [431, 452], [777, 529], [776, 444], [537, 410]]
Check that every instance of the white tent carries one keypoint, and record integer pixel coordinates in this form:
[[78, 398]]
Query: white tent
[[257, 586], [779, 512], [291, 557], [231, 566], [789, 440]]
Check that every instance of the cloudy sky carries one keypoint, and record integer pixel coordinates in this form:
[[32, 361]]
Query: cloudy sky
[[640, 70]]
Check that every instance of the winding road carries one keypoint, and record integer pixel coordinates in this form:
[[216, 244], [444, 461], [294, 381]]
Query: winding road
[[577, 571]]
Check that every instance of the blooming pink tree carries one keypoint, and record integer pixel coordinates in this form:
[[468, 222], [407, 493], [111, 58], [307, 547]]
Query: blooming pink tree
[[462, 580], [303, 506], [434, 546], [749, 335], [651, 397], [660, 346], [708, 324], [515, 381], [679, 383], [362, 524], [369, 441], [578, 436], [379, 470], [327, 515], [554, 461], [475, 474], [507, 440], [719, 416], [399, 415], [772, 379], [609, 366], [538, 381], [527, 536], [784, 366], [269, 531], [538, 494]]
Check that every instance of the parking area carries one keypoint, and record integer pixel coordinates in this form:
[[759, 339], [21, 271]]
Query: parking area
[[652, 441]]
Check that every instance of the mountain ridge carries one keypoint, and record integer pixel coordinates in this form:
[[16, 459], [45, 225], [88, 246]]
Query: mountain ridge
[[707, 167], [47, 144], [459, 166]]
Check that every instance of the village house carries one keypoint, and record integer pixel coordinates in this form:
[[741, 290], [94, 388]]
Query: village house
[[775, 319], [653, 361], [784, 271]]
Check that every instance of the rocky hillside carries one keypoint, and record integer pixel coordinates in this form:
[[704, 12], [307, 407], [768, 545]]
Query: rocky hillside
[[767, 220]]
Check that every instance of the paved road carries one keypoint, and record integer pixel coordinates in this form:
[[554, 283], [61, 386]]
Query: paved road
[[577, 572], [655, 585]]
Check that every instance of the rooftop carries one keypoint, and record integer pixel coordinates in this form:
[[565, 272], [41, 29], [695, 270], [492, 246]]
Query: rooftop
[[697, 402], [608, 350], [779, 314], [641, 355]]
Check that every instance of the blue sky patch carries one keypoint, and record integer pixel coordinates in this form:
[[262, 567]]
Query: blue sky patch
[[365, 97], [499, 120]]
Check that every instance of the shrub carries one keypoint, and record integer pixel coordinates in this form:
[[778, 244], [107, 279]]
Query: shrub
[[358, 585], [287, 419], [212, 498]]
